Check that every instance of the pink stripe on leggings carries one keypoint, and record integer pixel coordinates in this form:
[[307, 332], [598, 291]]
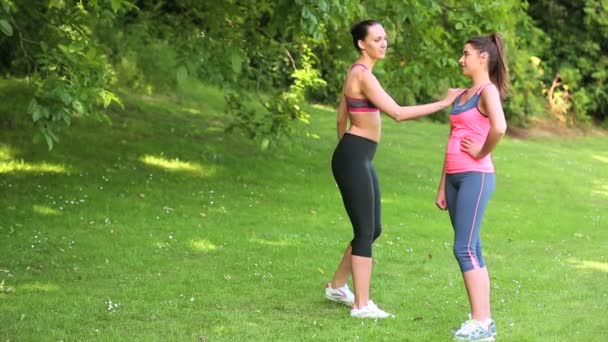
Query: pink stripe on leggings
[[473, 257]]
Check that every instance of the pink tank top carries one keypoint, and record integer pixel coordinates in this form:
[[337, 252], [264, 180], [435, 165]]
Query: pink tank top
[[467, 121]]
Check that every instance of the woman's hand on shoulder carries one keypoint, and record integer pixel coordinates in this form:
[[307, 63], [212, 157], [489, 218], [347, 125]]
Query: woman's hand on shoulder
[[451, 95]]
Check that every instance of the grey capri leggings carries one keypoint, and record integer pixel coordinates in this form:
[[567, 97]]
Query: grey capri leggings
[[467, 195], [356, 178]]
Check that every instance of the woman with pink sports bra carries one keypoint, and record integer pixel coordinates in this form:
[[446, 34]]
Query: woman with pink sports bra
[[477, 123], [358, 129]]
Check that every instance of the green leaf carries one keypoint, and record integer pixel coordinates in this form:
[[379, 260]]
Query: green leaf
[[33, 106], [116, 4], [56, 4], [64, 95], [6, 28], [36, 114], [107, 97], [49, 141], [78, 107], [66, 117], [265, 143], [49, 137]]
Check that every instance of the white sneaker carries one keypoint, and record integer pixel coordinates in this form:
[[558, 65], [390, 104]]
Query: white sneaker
[[491, 326], [370, 311], [341, 295], [472, 330]]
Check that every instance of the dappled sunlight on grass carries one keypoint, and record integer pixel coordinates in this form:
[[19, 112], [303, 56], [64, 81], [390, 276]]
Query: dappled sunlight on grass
[[323, 107], [14, 166], [39, 287], [178, 165], [280, 243], [589, 265], [202, 245], [9, 164], [600, 158], [386, 200], [44, 210], [192, 111], [600, 189]]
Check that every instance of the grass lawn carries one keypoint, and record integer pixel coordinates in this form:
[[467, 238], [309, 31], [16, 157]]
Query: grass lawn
[[159, 227]]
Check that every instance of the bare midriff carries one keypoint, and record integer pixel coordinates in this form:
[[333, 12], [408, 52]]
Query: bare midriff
[[365, 124]]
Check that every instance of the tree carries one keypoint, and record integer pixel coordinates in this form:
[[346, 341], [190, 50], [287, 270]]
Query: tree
[[53, 44], [576, 56], [280, 53]]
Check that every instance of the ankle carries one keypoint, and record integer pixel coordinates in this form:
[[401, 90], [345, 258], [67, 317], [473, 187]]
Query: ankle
[[359, 304], [335, 285], [485, 323]]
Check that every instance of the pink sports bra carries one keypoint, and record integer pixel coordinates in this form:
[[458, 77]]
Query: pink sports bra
[[359, 105]]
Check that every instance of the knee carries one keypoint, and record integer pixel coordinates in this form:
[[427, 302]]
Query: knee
[[467, 258], [377, 232], [362, 244], [459, 251]]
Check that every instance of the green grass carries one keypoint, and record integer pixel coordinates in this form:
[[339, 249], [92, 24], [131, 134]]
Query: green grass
[[197, 235]]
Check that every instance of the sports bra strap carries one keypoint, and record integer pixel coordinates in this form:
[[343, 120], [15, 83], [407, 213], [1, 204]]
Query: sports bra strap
[[356, 64], [483, 87]]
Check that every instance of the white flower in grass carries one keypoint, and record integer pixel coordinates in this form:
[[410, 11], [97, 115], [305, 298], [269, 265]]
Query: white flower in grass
[[112, 306]]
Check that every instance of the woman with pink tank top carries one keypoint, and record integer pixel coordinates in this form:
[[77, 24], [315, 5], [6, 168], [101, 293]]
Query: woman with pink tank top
[[477, 123]]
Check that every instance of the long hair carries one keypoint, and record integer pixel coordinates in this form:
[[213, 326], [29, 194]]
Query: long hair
[[493, 45]]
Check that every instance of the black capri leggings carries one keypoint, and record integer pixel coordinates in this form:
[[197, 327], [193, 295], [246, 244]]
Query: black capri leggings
[[356, 178]]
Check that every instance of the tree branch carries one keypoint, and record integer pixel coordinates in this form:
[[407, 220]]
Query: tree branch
[[293, 62]]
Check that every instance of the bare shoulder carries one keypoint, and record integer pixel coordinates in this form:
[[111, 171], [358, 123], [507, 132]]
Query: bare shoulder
[[358, 80], [490, 103], [490, 93]]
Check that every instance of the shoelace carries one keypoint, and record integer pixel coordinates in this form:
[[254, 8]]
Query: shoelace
[[469, 326]]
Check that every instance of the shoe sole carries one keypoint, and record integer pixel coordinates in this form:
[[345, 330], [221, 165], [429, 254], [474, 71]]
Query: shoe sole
[[487, 339], [373, 317], [454, 330]]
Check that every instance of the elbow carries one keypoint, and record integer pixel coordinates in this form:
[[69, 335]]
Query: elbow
[[501, 130], [395, 113], [399, 117], [500, 133]]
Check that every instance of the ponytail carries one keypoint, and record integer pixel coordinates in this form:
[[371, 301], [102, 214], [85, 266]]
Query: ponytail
[[493, 45], [500, 74]]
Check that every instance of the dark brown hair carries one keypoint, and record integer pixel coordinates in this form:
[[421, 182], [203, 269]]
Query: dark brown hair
[[493, 45], [359, 31]]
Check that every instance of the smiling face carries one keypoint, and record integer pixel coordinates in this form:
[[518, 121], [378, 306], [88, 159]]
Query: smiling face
[[472, 61], [375, 42]]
